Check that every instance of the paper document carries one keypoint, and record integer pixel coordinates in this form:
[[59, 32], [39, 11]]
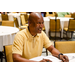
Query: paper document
[[71, 57]]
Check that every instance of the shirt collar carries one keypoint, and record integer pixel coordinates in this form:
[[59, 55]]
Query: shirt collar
[[29, 34]]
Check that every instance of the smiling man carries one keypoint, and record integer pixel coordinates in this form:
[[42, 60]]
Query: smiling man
[[29, 42]]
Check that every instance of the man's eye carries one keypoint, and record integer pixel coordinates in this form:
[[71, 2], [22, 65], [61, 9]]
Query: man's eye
[[42, 22], [39, 23]]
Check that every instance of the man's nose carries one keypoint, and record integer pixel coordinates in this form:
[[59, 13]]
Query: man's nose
[[41, 25]]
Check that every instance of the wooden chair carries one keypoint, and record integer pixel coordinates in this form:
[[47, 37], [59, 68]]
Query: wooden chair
[[8, 53], [16, 22], [71, 28], [26, 18], [8, 23], [65, 46], [69, 16], [54, 27], [22, 19], [52, 15], [23, 22], [14, 12], [23, 12], [45, 52], [4, 17], [73, 15]]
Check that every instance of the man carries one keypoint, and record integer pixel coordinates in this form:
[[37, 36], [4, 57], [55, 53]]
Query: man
[[29, 42]]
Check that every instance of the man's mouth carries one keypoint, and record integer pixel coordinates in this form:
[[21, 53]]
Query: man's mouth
[[40, 29]]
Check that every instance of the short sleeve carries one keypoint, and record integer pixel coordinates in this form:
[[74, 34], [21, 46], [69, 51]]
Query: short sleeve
[[18, 44], [46, 42]]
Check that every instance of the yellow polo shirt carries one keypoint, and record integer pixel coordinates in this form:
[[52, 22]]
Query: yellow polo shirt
[[29, 46]]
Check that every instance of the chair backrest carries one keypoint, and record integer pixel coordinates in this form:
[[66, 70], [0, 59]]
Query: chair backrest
[[14, 12], [68, 16], [26, 18], [71, 26], [48, 14], [4, 17], [73, 15], [23, 12], [55, 25], [8, 23], [8, 50], [22, 19], [16, 22], [65, 46]]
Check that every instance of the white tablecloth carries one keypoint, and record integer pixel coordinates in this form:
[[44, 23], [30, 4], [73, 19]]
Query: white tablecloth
[[7, 35], [63, 21], [71, 57]]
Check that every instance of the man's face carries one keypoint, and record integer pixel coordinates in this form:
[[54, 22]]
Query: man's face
[[38, 25]]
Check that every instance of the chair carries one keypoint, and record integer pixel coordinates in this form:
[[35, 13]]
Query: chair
[[45, 52], [69, 16], [65, 46], [14, 12], [52, 15], [22, 19], [4, 17], [54, 27], [73, 15], [16, 22], [23, 22], [26, 18], [70, 28], [23, 12], [8, 23], [1, 56], [8, 53]]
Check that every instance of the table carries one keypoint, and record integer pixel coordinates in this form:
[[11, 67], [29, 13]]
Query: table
[[63, 22], [7, 35], [71, 57]]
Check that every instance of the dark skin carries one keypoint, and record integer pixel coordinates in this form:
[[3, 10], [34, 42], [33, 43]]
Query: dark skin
[[36, 24]]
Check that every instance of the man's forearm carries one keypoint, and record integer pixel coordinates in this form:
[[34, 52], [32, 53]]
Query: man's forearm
[[18, 58], [54, 51]]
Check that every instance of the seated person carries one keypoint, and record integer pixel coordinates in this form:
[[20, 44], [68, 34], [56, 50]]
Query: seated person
[[62, 14], [29, 42]]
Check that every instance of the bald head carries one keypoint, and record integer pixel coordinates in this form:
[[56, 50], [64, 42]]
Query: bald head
[[36, 23], [34, 16]]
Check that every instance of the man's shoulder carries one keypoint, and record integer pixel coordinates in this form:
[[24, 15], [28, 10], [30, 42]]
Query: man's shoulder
[[22, 32]]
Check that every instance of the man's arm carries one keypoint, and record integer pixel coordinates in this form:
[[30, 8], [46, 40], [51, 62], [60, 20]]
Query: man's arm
[[19, 58], [55, 53], [53, 50]]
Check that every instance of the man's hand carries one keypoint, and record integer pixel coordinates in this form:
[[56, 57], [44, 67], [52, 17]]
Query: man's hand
[[64, 58], [45, 60]]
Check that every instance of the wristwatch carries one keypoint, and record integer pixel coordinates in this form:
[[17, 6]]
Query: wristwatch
[[59, 55]]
